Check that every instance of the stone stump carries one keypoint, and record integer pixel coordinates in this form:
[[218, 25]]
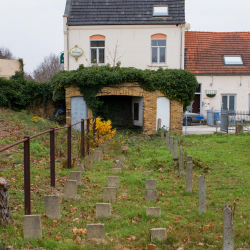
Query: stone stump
[[189, 158], [118, 164], [5, 215], [189, 176], [151, 172], [70, 189], [109, 194], [175, 152], [116, 170], [167, 140], [239, 128], [121, 158], [228, 229], [96, 155], [150, 195], [52, 207], [113, 181], [75, 176], [103, 210], [202, 194], [150, 184], [158, 234], [32, 226], [95, 231], [101, 152], [171, 144], [181, 162], [162, 137], [87, 162], [80, 168], [153, 211]]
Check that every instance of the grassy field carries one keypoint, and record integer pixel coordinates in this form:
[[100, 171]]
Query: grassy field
[[223, 159]]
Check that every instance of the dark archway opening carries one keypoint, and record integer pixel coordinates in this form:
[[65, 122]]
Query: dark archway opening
[[118, 109]]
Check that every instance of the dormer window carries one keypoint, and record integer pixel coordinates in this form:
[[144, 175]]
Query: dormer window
[[232, 60], [160, 11]]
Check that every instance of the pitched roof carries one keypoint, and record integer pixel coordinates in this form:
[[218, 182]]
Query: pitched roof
[[205, 50], [106, 12]]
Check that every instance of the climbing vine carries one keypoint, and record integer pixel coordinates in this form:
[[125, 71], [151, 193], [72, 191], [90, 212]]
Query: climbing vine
[[175, 84]]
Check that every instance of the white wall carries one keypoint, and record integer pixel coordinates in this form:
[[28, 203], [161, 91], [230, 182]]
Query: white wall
[[163, 111], [240, 86], [8, 67], [134, 44]]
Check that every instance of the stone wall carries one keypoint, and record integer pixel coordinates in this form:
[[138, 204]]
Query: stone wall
[[149, 105]]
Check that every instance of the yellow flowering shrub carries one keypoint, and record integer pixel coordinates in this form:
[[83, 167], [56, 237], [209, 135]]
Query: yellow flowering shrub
[[36, 119], [103, 129]]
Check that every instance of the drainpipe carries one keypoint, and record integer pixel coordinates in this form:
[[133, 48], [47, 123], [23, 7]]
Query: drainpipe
[[181, 49], [68, 45]]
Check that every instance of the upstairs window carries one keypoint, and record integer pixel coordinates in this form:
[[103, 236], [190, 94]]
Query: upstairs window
[[160, 11], [97, 49], [232, 60], [158, 49]]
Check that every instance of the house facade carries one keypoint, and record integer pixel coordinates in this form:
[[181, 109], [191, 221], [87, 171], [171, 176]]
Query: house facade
[[221, 63], [9, 67], [140, 34]]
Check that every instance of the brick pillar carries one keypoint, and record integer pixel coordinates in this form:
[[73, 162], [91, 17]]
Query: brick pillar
[[176, 112]]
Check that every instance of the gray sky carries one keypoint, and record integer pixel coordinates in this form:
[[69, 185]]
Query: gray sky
[[32, 29]]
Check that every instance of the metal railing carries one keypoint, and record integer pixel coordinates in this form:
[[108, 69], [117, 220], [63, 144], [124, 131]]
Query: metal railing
[[26, 142]]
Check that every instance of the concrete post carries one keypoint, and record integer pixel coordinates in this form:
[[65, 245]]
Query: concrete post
[[113, 181], [52, 207], [96, 155], [80, 168], [70, 189], [167, 140], [202, 194], [158, 234], [171, 144], [109, 194], [32, 227], [175, 152], [95, 231], [181, 162], [162, 137], [189, 158], [75, 176], [103, 210], [87, 162], [118, 164], [228, 229], [150, 184], [189, 176], [121, 158], [151, 172], [116, 170], [153, 211], [150, 195]]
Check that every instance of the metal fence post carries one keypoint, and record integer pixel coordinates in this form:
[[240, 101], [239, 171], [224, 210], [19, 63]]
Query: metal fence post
[[87, 136], [52, 158], [82, 139], [27, 206], [69, 146]]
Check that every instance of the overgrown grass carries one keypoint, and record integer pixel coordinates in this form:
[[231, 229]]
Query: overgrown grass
[[223, 159]]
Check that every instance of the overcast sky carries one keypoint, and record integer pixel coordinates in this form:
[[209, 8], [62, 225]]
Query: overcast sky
[[32, 29]]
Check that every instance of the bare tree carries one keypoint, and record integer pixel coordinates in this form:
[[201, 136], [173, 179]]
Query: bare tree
[[28, 76], [113, 55], [5, 53], [45, 70]]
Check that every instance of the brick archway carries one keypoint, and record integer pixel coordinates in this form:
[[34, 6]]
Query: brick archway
[[149, 105]]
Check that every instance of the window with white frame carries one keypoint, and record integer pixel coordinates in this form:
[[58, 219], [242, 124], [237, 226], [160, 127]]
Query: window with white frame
[[160, 11], [228, 102], [158, 51], [232, 60], [97, 51]]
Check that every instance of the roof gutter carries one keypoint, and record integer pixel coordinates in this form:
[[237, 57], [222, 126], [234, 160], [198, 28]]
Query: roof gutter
[[181, 49]]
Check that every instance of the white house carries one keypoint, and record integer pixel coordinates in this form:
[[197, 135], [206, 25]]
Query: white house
[[221, 63], [141, 34]]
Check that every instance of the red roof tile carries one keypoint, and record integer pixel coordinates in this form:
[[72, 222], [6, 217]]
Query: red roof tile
[[205, 50]]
